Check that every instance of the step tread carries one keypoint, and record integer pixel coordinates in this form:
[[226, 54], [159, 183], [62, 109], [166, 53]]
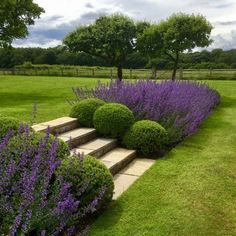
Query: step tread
[[138, 166], [94, 145], [122, 183], [76, 133], [116, 156], [59, 122], [127, 176]]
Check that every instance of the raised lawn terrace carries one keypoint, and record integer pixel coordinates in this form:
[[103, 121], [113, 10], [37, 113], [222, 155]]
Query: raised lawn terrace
[[190, 191]]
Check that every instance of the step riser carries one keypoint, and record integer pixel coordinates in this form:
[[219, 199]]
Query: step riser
[[81, 140], [57, 126], [122, 164], [65, 128], [101, 151]]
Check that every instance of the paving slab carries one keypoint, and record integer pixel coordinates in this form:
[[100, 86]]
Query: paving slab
[[59, 125], [59, 121], [117, 155], [138, 166], [96, 143], [40, 128], [99, 146], [118, 158], [122, 182], [76, 133]]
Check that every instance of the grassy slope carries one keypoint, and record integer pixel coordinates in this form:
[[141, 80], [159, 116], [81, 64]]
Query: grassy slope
[[191, 191], [18, 95]]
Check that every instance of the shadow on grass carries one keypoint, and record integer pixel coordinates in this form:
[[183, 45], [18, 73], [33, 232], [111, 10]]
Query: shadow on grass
[[108, 222], [22, 98]]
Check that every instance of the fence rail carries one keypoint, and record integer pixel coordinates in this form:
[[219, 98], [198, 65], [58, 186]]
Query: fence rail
[[127, 73]]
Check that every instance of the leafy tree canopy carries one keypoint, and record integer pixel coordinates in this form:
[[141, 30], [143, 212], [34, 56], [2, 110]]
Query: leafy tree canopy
[[15, 16], [180, 32], [110, 37]]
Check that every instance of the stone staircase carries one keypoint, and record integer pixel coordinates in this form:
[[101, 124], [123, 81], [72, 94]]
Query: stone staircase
[[122, 163]]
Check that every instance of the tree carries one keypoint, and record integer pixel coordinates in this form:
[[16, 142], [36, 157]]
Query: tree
[[171, 37], [15, 16], [111, 38]]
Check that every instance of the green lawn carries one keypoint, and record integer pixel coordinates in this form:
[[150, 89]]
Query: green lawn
[[19, 93], [191, 191]]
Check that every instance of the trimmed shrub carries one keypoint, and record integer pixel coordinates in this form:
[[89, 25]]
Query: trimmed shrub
[[34, 199], [113, 119], [7, 124], [179, 106], [93, 174], [27, 141], [85, 109], [146, 137]]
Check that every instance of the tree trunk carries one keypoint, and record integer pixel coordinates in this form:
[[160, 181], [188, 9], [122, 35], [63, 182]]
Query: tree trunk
[[119, 73], [175, 66], [174, 72]]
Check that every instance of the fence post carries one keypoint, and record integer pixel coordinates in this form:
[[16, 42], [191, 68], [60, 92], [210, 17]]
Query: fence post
[[111, 73], [210, 72], [93, 72], [130, 74], [77, 72], [181, 73], [62, 73]]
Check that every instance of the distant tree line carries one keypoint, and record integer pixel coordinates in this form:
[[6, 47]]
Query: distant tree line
[[215, 59]]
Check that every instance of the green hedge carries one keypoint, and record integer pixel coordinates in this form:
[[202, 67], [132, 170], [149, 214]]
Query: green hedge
[[146, 137], [84, 111], [88, 172], [15, 144], [7, 124], [113, 119]]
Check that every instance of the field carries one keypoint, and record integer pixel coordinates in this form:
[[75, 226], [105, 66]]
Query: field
[[191, 191], [19, 94]]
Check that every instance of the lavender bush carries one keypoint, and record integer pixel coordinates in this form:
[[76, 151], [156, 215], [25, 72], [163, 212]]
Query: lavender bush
[[179, 106], [33, 200]]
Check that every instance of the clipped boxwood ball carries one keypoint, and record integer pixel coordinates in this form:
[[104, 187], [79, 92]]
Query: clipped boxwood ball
[[85, 109], [145, 136], [91, 173], [7, 124], [113, 119]]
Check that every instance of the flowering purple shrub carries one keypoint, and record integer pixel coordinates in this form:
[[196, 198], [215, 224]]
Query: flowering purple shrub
[[179, 106], [33, 199]]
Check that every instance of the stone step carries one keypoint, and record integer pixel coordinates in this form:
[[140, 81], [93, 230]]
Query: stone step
[[96, 147], [57, 126], [117, 159], [127, 176], [78, 136]]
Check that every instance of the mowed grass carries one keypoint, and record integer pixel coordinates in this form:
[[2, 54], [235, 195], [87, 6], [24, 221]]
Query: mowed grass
[[18, 94], [191, 191]]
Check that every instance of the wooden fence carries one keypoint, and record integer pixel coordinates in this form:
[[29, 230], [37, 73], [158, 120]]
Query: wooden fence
[[127, 73]]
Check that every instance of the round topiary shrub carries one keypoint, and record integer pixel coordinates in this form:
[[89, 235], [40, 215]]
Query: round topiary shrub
[[31, 140], [90, 172], [145, 136], [30, 185], [113, 119], [7, 124], [85, 109]]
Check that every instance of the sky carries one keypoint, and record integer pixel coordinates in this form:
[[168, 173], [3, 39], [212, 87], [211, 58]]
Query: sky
[[63, 16]]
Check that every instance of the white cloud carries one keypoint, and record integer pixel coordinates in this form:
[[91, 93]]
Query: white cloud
[[62, 16]]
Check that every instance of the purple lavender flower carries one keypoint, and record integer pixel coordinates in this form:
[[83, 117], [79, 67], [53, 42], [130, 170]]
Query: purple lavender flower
[[180, 106], [32, 197]]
